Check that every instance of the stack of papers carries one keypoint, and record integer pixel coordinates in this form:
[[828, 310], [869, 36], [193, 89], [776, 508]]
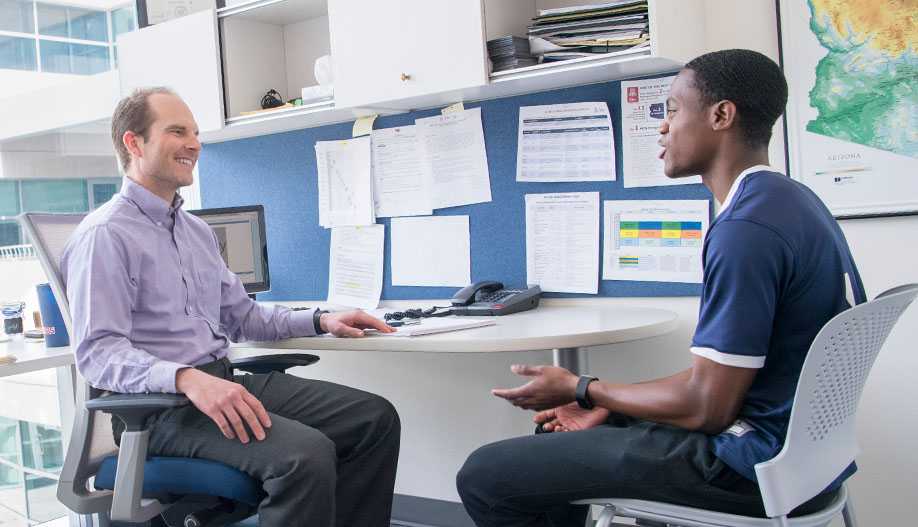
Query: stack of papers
[[510, 52], [430, 326], [572, 32]]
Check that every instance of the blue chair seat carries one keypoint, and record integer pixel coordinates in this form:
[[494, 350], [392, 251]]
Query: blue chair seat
[[165, 477]]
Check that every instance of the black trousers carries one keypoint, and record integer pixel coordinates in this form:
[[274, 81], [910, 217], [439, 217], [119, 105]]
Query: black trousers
[[329, 458], [530, 481]]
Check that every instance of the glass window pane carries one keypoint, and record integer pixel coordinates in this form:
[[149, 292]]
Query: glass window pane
[[122, 21], [9, 198], [9, 235], [9, 447], [89, 60], [42, 448], [55, 57], [86, 24], [17, 53], [43, 504], [103, 190], [16, 15], [12, 495], [68, 195], [52, 20]]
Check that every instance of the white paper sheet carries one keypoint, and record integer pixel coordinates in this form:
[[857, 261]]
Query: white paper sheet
[[562, 241], [453, 150], [658, 241], [431, 250], [355, 273], [400, 187], [565, 142], [643, 111], [431, 326], [345, 182]]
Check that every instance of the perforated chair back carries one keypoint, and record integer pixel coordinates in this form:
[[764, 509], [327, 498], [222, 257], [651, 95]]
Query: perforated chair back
[[821, 440], [91, 438]]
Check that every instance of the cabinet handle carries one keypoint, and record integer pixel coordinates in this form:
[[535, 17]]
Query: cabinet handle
[[405, 77]]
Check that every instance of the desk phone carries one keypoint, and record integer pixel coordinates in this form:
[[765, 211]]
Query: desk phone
[[489, 298]]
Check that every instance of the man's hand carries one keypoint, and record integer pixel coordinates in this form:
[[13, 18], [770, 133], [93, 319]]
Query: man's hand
[[551, 386], [570, 418], [228, 404], [351, 323]]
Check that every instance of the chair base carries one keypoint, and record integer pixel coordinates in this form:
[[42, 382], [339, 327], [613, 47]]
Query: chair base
[[680, 516]]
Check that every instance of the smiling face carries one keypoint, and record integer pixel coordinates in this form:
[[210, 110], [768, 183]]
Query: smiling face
[[687, 134], [165, 159]]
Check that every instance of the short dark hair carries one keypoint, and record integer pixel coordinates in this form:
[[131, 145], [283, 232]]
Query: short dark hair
[[748, 79], [133, 114]]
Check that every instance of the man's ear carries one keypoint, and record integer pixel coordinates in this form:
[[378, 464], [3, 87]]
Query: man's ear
[[133, 142], [723, 115]]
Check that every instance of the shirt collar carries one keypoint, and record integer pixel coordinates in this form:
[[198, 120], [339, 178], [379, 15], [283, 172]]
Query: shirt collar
[[736, 183], [149, 203]]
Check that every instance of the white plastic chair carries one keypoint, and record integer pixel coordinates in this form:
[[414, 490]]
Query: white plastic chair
[[821, 440]]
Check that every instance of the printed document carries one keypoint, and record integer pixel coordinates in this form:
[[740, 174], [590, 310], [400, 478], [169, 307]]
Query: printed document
[[345, 182], [562, 241], [431, 250], [658, 241], [453, 150], [355, 268], [565, 142], [399, 184], [430, 326], [643, 111]]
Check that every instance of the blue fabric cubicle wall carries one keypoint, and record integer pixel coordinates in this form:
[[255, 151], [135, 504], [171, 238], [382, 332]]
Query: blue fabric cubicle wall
[[279, 172]]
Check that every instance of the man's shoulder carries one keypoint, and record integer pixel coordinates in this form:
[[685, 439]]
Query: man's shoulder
[[115, 218]]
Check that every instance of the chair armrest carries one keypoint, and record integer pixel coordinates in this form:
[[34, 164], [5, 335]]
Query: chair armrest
[[269, 363], [134, 408]]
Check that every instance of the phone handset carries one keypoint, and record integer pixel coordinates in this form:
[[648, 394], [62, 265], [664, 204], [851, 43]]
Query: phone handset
[[472, 293]]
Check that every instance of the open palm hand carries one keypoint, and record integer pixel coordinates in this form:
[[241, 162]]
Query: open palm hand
[[570, 417]]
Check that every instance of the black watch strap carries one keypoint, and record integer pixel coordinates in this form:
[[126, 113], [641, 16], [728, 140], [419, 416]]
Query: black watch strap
[[317, 322], [583, 397]]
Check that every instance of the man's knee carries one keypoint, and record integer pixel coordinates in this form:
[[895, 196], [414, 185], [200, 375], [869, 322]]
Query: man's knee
[[382, 416], [308, 453], [480, 474]]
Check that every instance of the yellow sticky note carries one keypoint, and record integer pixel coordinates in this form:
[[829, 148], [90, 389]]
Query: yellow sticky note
[[364, 125], [458, 107]]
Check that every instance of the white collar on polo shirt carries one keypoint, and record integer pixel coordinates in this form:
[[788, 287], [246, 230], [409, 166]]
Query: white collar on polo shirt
[[738, 180]]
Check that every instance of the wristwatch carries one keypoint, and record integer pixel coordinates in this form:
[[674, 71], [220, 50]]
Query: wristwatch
[[317, 321], [583, 397]]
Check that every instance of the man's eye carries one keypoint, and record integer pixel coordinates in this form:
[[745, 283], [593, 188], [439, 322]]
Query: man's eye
[[670, 111]]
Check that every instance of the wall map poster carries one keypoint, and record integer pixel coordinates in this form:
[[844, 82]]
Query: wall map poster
[[852, 119]]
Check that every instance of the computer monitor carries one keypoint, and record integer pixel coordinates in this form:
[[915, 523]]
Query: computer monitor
[[241, 236]]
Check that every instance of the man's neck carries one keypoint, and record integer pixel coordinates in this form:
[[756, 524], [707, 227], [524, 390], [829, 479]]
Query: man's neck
[[725, 169], [163, 191]]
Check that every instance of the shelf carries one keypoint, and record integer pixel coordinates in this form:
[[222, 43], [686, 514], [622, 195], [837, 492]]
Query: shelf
[[533, 79], [276, 12]]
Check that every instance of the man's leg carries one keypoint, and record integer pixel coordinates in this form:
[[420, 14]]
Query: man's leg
[[364, 429], [530, 481]]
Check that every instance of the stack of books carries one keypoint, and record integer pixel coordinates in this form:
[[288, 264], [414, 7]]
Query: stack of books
[[509, 52], [571, 32]]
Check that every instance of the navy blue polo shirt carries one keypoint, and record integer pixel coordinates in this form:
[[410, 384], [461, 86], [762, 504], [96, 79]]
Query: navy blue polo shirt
[[776, 268]]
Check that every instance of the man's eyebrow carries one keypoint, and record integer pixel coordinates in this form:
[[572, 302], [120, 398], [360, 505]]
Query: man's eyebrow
[[177, 127], [670, 100]]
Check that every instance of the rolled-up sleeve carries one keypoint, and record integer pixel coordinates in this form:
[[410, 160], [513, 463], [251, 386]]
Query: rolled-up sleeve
[[102, 293], [244, 319]]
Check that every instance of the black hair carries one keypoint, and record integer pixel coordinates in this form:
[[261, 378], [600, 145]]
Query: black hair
[[748, 79]]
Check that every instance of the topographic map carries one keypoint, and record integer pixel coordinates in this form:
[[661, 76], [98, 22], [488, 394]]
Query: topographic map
[[852, 70]]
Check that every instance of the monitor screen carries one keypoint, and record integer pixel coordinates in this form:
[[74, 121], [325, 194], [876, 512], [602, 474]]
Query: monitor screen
[[240, 234]]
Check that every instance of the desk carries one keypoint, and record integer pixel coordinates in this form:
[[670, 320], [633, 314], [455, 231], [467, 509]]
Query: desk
[[33, 356], [563, 325]]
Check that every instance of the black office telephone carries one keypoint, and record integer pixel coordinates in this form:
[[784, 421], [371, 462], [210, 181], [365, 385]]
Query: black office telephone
[[490, 298]]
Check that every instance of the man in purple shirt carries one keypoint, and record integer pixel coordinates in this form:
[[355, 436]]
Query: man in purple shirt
[[154, 310]]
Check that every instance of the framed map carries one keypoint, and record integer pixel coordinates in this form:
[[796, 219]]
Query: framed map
[[852, 116]]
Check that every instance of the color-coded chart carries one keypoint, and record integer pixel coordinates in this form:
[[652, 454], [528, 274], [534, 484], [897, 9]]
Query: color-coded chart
[[660, 234]]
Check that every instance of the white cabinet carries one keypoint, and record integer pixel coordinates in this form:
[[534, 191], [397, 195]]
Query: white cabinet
[[181, 54], [386, 51]]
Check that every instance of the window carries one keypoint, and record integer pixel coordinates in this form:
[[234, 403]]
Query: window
[[65, 195], [9, 207], [41, 36], [31, 456]]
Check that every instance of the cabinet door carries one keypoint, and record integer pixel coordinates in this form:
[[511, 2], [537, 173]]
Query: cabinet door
[[181, 54], [395, 49]]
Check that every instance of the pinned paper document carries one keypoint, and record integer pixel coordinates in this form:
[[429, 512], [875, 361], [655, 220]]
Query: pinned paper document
[[345, 182], [453, 150], [431, 250], [562, 241], [400, 186], [355, 268], [658, 241], [364, 125], [458, 107]]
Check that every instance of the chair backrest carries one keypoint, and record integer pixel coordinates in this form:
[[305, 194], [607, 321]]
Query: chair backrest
[[821, 437], [91, 437]]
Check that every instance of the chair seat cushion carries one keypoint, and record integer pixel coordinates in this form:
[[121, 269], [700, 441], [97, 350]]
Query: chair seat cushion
[[165, 477]]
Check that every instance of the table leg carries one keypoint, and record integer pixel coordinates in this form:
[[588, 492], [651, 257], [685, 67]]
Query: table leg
[[573, 359]]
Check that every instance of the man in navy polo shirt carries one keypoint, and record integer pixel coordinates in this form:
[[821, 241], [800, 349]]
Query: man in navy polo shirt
[[776, 269]]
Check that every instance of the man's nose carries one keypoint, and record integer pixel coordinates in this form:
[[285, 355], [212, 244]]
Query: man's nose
[[664, 127]]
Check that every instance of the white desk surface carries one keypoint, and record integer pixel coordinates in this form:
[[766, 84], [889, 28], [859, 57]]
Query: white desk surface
[[556, 324], [33, 356]]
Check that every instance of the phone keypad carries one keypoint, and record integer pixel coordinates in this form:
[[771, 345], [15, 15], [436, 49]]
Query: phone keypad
[[498, 296]]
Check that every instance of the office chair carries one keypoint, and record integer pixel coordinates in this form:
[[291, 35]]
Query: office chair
[[127, 486], [821, 440]]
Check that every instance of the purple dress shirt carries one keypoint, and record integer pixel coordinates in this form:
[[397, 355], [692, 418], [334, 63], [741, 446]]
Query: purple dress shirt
[[150, 295]]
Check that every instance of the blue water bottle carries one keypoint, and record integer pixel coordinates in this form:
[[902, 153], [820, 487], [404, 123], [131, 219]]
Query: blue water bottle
[[54, 328]]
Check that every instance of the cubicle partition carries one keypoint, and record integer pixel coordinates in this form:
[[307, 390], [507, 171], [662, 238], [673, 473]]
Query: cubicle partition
[[279, 172]]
